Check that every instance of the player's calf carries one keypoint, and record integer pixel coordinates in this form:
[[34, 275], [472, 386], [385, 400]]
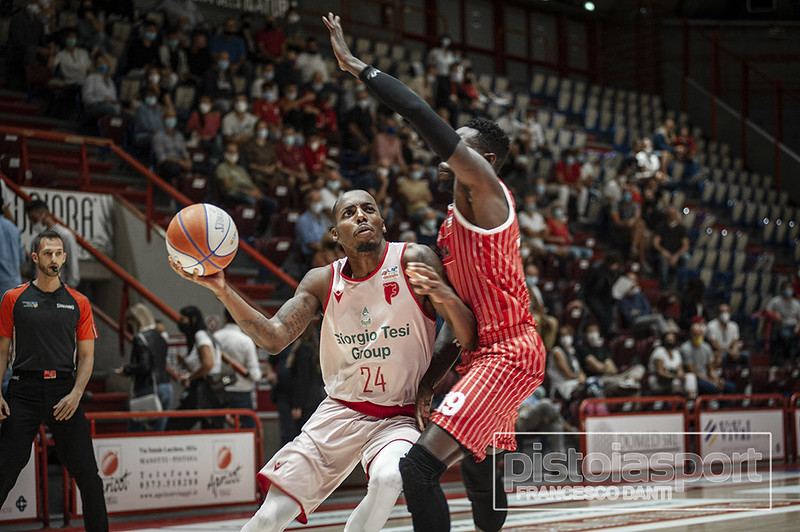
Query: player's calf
[[421, 471]]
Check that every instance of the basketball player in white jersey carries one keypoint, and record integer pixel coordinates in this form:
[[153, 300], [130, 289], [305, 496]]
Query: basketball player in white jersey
[[378, 305]]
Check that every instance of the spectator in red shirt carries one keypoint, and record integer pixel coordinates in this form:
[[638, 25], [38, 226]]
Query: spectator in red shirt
[[266, 107], [271, 41], [559, 240], [203, 128], [314, 154], [567, 177], [326, 124], [290, 160], [296, 109]]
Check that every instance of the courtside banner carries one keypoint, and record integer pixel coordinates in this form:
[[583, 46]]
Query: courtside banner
[[735, 432], [645, 434], [21, 502], [89, 214], [168, 471]]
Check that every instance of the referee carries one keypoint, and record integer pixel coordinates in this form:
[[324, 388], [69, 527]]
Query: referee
[[48, 319]]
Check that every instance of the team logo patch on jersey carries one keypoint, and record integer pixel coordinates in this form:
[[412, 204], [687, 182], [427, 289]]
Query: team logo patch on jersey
[[30, 304], [338, 295], [390, 290], [390, 273], [366, 319]]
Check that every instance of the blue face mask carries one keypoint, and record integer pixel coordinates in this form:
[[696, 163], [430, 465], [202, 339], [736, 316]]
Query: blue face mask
[[570, 160], [430, 225], [532, 279], [416, 174], [262, 133], [270, 96], [558, 213], [627, 196], [223, 64], [71, 41], [788, 292], [173, 43], [150, 100], [289, 140], [540, 190], [391, 130], [171, 122], [102, 69], [150, 36], [530, 207]]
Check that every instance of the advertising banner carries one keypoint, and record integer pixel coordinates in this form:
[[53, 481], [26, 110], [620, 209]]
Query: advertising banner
[[168, 471], [735, 432], [21, 502]]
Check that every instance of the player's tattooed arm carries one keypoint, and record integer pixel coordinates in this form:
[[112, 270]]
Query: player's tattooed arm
[[274, 334], [428, 280]]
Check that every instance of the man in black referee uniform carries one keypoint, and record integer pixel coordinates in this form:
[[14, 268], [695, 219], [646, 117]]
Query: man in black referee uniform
[[48, 319]]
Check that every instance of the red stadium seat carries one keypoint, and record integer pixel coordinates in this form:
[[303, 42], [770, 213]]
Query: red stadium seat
[[114, 128], [194, 186], [284, 222], [276, 249], [245, 217], [623, 351]]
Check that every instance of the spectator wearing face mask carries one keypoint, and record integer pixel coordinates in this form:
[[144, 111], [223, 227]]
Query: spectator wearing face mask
[[666, 373], [259, 152], [311, 226], [267, 76], [567, 378], [311, 62], [297, 108], [628, 229], [441, 57], [99, 93], [596, 361], [558, 238], [424, 83], [548, 324], [335, 186], [415, 192], [239, 125], [289, 157], [203, 128], [143, 52], [647, 161], [785, 311], [387, 147], [568, 181], [723, 336], [169, 149], [172, 58], [154, 82], [147, 121], [266, 108], [358, 125], [698, 357], [230, 42], [532, 224], [635, 309], [596, 290], [218, 83], [236, 187], [671, 243], [314, 154], [428, 228]]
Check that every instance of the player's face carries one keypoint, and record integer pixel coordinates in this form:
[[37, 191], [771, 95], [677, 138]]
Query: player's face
[[358, 223], [50, 257]]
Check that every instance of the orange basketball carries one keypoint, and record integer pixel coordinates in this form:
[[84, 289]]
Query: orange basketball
[[202, 237]]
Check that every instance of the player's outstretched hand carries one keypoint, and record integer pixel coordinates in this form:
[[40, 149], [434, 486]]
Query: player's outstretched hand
[[347, 61], [214, 282]]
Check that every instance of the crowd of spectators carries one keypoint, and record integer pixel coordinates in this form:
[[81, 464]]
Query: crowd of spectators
[[280, 129]]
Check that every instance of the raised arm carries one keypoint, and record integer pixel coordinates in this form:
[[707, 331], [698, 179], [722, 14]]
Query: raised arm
[[473, 171], [272, 334]]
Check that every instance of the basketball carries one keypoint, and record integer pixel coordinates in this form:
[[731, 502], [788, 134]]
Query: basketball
[[202, 237]]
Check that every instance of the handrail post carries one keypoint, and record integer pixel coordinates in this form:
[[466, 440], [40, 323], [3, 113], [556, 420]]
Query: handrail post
[[85, 166], [149, 211], [123, 309], [25, 179], [778, 95]]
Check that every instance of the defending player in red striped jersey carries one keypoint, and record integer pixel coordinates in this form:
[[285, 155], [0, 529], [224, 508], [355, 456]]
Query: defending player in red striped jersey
[[480, 243]]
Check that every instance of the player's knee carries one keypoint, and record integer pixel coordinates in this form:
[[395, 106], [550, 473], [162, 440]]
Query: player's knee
[[386, 479], [420, 468]]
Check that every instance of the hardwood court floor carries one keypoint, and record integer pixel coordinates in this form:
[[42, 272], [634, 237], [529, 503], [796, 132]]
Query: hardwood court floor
[[708, 507]]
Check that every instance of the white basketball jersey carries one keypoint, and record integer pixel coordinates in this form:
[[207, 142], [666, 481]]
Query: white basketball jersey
[[376, 341]]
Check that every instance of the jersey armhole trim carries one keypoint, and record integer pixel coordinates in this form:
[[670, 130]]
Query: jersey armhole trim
[[480, 230]]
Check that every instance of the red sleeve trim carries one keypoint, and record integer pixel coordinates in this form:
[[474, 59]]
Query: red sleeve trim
[[7, 310], [87, 330]]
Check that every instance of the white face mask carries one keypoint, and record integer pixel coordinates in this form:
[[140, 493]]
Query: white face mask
[[241, 107], [593, 338], [724, 317], [313, 146], [39, 228], [205, 108], [232, 158], [315, 207], [154, 79], [566, 341]]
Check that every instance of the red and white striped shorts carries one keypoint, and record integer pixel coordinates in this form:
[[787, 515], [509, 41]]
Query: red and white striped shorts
[[481, 409]]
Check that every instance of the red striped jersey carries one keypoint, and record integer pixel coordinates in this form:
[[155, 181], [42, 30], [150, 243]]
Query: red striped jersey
[[485, 268]]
